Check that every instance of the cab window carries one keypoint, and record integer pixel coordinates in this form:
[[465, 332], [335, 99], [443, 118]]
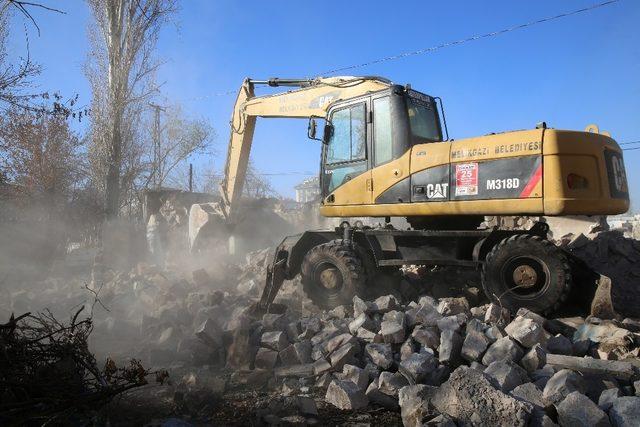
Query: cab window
[[382, 146], [423, 119], [348, 140]]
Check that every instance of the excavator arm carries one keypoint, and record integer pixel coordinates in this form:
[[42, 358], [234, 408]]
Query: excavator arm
[[311, 98], [308, 98]]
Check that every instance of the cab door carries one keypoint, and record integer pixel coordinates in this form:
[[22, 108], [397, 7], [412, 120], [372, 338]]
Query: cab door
[[346, 175]]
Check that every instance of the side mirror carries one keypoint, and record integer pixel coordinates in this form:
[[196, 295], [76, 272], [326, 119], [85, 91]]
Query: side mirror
[[328, 132], [311, 129]]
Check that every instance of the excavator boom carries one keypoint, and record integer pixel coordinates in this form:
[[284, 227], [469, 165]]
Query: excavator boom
[[310, 99]]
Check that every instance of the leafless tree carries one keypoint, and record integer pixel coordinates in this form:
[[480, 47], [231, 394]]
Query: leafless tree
[[256, 185], [179, 137], [121, 68]]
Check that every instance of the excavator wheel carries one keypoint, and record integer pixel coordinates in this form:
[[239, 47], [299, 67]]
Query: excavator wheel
[[332, 274], [527, 271]]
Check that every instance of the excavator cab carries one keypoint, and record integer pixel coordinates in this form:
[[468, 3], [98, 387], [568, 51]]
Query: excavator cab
[[368, 131]]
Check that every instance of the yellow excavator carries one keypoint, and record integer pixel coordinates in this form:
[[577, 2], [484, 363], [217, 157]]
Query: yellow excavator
[[386, 153]]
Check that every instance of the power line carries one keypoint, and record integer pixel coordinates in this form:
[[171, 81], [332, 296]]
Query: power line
[[440, 46], [471, 38], [630, 142]]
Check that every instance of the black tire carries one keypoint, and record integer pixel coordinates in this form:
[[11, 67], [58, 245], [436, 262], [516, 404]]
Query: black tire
[[332, 274], [527, 271]]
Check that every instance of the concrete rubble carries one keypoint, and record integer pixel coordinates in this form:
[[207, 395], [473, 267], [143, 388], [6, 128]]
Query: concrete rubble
[[431, 361]]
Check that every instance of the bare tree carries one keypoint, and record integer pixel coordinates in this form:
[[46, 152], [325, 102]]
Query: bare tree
[[257, 185], [178, 138], [40, 155], [121, 68]]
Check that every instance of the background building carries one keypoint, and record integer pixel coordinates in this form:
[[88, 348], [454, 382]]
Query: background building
[[308, 190]]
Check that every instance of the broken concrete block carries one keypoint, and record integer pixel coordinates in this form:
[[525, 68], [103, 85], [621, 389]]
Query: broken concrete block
[[384, 400], [450, 347], [636, 387], [390, 383], [497, 315], [395, 316], [453, 323], [479, 312], [360, 306], [274, 340], [578, 410], [625, 411], [615, 368], [392, 332], [274, 322], [300, 371], [340, 312], [407, 349], [494, 333], [414, 404], [559, 344], [362, 321], [453, 306], [339, 341], [478, 366], [344, 354], [528, 314], [380, 354], [529, 393], [459, 398], [504, 348], [384, 304], [474, 346], [293, 331], [266, 358], [324, 380], [427, 336], [607, 397], [210, 333], [475, 325], [428, 301], [345, 395], [303, 351], [525, 331], [425, 315], [417, 367], [535, 358], [356, 375], [289, 357], [506, 375], [369, 336], [561, 384], [321, 366]]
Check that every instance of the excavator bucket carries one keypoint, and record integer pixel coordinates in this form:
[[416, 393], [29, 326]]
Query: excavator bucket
[[207, 222]]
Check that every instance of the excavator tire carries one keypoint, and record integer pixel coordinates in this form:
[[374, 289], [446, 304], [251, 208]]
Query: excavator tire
[[527, 271], [332, 274]]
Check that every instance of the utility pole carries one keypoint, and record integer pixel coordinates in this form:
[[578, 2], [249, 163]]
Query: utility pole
[[156, 144], [190, 177]]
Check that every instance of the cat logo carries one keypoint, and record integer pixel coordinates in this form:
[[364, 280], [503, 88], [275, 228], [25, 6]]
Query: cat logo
[[437, 191]]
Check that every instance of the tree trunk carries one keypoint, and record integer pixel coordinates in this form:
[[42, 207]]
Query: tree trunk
[[112, 185]]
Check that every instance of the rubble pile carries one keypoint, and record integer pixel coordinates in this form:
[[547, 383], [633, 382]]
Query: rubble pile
[[442, 362], [429, 360], [611, 254]]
